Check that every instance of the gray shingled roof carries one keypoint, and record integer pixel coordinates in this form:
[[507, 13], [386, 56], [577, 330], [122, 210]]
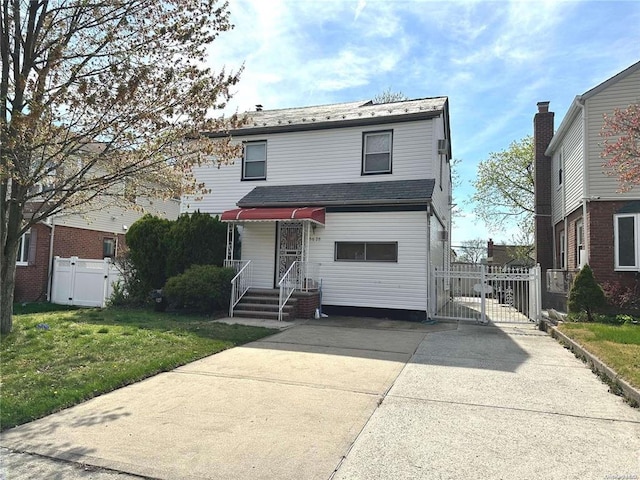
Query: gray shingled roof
[[331, 116], [331, 194]]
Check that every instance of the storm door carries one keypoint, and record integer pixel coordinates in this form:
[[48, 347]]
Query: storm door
[[289, 247]]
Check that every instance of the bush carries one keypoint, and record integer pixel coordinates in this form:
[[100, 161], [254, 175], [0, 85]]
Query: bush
[[585, 294], [201, 288], [146, 240], [196, 239], [622, 297]]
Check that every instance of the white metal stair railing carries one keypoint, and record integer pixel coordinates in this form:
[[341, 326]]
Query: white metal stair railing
[[301, 276], [241, 282]]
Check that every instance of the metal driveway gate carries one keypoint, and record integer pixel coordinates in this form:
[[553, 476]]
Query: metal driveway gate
[[483, 293]]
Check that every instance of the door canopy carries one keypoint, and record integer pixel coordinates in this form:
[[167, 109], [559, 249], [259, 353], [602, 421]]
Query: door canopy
[[313, 214]]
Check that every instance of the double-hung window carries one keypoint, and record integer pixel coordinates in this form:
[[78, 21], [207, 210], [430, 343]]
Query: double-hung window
[[376, 152], [23, 249], [579, 243], [627, 244], [254, 161], [562, 244]]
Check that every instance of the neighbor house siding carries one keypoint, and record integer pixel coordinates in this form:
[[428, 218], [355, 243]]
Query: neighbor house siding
[[394, 285], [319, 156], [568, 195], [107, 217], [620, 94]]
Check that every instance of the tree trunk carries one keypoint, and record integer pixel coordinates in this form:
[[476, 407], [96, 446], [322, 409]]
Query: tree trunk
[[7, 284]]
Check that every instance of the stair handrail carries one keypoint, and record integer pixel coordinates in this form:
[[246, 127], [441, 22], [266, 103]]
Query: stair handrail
[[287, 284], [241, 282]]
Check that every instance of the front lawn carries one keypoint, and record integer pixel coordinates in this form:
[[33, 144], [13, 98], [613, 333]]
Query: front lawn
[[618, 346], [52, 360]]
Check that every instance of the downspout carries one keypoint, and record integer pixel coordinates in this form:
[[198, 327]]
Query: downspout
[[50, 274], [429, 290], [585, 180]]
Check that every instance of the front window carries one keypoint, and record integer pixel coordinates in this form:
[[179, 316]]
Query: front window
[[562, 251], [23, 249], [254, 162], [366, 251], [627, 246], [376, 157]]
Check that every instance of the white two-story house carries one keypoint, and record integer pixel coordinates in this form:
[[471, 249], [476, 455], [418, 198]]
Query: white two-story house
[[582, 216], [358, 194]]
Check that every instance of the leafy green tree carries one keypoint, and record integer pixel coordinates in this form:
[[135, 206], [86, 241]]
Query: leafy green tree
[[586, 295], [504, 186], [99, 97]]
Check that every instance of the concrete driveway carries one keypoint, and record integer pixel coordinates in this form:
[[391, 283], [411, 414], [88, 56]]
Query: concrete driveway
[[354, 399]]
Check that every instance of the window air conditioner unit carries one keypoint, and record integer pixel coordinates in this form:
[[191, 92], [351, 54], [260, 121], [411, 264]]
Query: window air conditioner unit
[[444, 235], [443, 146]]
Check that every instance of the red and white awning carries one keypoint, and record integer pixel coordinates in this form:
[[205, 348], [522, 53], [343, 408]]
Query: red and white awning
[[313, 214]]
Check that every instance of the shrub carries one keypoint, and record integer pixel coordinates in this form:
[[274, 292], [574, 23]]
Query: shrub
[[622, 297], [585, 294], [146, 240], [195, 239], [201, 288]]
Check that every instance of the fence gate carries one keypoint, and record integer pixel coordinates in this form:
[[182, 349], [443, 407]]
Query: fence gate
[[83, 282], [483, 294]]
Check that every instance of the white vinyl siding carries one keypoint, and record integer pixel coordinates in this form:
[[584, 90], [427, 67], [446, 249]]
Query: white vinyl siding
[[319, 156], [567, 196], [259, 246], [398, 285], [105, 217], [620, 94]]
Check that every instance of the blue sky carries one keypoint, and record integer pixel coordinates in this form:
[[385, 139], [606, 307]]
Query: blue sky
[[494, 60]]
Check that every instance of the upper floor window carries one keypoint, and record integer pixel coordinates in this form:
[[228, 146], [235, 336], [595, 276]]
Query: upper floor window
[[254, 161], [376, 152], [23, 249], [560, 168], [627, 245]]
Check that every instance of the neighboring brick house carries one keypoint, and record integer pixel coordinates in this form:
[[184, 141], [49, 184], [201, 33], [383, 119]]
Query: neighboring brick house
[[96, 234], [581, 217], [509, 255]]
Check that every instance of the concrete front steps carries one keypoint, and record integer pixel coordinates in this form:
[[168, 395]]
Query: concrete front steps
[[263, 303]]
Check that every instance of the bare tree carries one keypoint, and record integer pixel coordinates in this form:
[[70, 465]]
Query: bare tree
[[472, 251], [98, 97], [389, 96]]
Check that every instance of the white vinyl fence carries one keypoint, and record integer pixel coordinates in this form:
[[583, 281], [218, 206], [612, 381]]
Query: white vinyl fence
[[83, 282]]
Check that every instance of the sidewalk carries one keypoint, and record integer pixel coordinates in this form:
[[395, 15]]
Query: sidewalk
[[350, 399]]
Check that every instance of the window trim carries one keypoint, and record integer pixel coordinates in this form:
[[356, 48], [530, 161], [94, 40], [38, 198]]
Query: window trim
[[636, 243], [363, 260], [365, 135], [579, 240], [244, 177], [22, 260], [114, 239], [562, 247]]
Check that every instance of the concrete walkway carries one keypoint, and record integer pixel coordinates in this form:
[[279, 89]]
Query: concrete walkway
[[398, 400]]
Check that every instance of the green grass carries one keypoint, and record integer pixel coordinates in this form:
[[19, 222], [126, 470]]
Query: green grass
[[53, 360], [616, 345]]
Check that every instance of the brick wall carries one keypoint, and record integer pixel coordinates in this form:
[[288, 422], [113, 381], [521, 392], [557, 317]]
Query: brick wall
[[307, 304], [601, 244], [77, 242], [31, 280]]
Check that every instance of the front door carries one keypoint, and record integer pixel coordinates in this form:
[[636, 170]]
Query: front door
[[289, 247]]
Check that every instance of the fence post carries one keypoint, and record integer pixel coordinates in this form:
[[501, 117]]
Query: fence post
[[483, 290]]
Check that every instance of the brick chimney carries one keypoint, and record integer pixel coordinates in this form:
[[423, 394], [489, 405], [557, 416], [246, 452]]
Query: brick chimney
[[542, 135], [490, 250]]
